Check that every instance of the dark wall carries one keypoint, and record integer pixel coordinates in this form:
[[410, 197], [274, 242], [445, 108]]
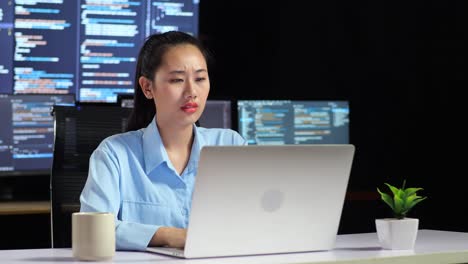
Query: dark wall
[[402, 66], [245, 40], [24, 231]]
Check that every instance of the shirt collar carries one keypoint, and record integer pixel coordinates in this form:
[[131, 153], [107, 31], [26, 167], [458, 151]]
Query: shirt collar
[[198, 143], [154, 152], [153, 148]]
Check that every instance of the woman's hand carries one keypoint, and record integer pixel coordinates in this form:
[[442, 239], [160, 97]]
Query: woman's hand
[[170, 237]]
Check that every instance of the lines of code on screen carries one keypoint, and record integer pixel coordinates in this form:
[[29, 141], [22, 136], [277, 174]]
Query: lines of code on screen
[[27, 134], [85, 47], [278, 122]]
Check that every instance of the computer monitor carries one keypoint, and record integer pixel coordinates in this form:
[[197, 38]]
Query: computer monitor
[[217, 114], [277, 122], [88, 48], [125, 100], [27, 132]]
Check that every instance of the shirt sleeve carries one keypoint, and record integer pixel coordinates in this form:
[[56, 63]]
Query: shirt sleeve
[[101, 193], [237, 139]]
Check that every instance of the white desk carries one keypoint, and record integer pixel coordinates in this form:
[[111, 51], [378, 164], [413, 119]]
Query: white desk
[[431, 247]]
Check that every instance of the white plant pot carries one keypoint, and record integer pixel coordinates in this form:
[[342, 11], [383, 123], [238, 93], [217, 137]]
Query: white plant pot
[[397, 234]]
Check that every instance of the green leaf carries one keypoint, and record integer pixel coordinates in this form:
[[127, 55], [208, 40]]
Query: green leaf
[[386, 198], [411, 198], [411, 191], [401, 194], [403, 200], [398, 205], [392, 188], [404, 213], [416, 201]]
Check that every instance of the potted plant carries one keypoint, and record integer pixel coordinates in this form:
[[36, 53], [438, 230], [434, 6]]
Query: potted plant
[[399, 232]]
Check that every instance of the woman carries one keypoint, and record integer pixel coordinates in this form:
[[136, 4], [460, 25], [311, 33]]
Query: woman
[[146, 176]]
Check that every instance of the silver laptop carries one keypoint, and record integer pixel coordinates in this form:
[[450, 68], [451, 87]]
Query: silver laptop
[[252, 200]]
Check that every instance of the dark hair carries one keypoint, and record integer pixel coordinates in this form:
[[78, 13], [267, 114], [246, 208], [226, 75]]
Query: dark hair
[[149, 60]]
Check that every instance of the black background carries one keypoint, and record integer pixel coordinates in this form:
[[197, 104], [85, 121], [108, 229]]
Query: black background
[[401, 65]]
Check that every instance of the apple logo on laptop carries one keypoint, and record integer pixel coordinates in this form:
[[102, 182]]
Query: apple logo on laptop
[[272, 200]]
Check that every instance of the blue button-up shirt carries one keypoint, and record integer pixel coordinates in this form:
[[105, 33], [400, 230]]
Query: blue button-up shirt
[[130, 175]]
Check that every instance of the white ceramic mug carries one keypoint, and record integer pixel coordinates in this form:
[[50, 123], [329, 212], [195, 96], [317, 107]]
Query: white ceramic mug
[[93, 236]]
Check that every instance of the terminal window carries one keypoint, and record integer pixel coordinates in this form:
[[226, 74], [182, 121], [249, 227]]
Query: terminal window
[[278, 122]]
